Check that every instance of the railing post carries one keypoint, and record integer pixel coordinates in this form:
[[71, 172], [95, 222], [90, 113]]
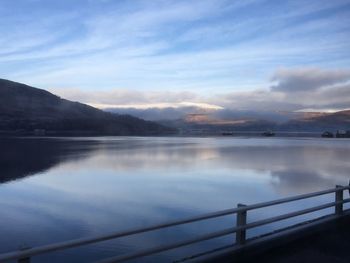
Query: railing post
[[339, 198], [241, 221], [24, 259]]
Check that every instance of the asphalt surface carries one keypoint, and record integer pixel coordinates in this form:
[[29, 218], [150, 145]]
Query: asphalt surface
[[329, 245]]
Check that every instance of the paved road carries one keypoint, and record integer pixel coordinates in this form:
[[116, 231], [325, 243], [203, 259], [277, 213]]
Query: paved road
[[331, 245]]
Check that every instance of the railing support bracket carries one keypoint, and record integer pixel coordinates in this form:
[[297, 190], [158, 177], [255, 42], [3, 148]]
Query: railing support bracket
[[339, 198], [241, 221]]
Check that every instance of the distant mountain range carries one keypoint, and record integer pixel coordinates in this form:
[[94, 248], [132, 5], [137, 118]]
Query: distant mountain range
[[26, 110], [194, 119], [298, 123], [320, 122]]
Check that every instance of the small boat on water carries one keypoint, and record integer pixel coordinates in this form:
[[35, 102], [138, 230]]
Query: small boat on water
[[227, 133], [327, 134], [342, 134], [268, 134]]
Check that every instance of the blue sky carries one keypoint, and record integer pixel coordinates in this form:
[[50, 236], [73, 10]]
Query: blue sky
[[263, 54]]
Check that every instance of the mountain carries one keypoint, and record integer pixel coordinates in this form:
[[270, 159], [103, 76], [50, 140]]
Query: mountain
[[213, 115], [320, 122], [25, 109], [296, 122], [199, 120]]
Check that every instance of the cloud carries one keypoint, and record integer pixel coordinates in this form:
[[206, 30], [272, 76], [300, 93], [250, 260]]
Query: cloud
[[307, 79], [193, 45], [119, 97], [168, 53], [328, 92], [337, 97], [160, 105], [155, 113]]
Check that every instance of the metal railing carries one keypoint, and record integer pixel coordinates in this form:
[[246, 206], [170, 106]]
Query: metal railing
[[240, 229]]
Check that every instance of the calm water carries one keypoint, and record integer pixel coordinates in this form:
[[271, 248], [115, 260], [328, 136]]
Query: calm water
[[58, 189]]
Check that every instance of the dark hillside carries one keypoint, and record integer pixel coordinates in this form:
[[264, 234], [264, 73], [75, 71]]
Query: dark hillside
[[24, 109]]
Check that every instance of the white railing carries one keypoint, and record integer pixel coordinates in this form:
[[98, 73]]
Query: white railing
[[240, 228]]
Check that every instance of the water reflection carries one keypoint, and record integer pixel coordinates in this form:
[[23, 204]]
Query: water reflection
[[24, 157], [71, 188]]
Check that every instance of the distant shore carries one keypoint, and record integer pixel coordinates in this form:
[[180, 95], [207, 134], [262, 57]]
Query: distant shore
[[255, 134]]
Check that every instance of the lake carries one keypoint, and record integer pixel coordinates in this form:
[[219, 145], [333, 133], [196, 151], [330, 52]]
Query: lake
[[56, 189]]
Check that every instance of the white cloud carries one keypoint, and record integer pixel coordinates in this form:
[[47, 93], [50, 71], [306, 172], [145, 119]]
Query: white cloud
[[207, 47], [322, 96], [161, 105]]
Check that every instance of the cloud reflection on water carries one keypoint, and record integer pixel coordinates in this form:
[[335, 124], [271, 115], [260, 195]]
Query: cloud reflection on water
[[80, 187]]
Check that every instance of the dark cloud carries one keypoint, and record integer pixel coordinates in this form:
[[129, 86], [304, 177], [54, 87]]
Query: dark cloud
[[337, 97], [307, 79], [296, 89]]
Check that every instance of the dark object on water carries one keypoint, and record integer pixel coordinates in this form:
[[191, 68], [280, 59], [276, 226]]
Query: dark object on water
[[327, 134], [342, 134], [227, 133], [268, 134]]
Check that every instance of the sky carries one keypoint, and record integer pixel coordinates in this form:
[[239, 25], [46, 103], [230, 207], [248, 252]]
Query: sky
[[254, 54]]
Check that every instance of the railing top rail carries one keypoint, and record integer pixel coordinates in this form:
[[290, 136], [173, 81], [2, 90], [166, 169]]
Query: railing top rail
[[85, 241], [151, 251], [294, 198]]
